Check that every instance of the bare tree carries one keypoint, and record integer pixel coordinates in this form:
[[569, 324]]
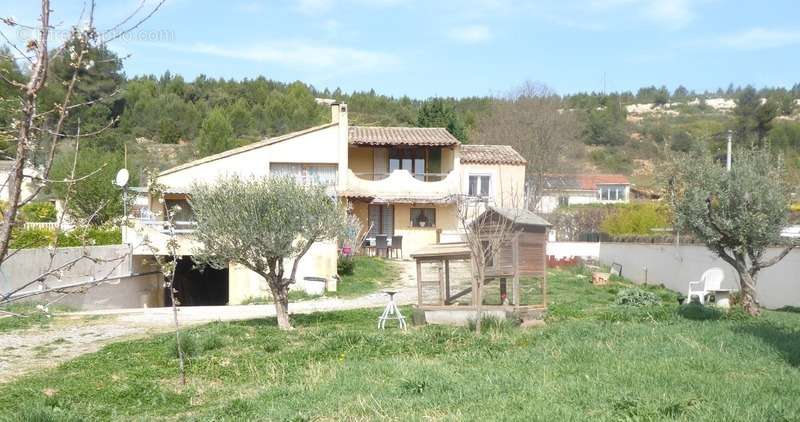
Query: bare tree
[[485, 235], [38, 129], [530, 119]]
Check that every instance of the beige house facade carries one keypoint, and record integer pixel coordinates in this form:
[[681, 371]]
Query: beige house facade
[[402, 183]]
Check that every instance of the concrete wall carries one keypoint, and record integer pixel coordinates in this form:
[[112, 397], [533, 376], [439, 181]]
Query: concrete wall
[[320, 261], [586, 250], [675, 266], [28, 264]]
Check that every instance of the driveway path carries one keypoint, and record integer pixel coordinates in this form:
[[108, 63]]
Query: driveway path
[[76, 333]]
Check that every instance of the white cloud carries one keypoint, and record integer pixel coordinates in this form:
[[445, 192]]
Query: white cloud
[[297, 54], [314, 7], [672, 13], [471, 34], [761, 38]]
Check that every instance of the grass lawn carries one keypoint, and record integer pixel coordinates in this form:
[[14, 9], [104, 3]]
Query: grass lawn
[[33, 317], [593, 361], [369, 275]]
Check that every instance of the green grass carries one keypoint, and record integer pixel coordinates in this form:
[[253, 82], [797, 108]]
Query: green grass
[[598, 361], [32, 317], [369, 275], [294, 296]]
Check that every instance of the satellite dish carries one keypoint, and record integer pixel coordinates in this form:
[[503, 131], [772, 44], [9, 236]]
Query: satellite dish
[[122, 178]]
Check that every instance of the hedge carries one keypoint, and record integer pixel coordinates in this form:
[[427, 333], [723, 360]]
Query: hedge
[[42, 238]]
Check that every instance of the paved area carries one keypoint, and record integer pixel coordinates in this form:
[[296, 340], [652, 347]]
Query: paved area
[[74, 334]]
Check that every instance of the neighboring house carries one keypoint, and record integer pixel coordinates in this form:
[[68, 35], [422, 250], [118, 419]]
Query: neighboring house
[[28, 185], [399, 181], [563, 190]]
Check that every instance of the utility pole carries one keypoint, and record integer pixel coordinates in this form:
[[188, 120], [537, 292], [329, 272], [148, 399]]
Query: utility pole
[[730, 147]]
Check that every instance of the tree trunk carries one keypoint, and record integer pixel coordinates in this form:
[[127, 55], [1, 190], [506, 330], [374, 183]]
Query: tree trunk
[[748, 290], [280, 293]]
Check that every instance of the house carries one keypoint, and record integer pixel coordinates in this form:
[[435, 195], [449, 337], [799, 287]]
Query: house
[[399, 181], [563, 190], [28, 186]]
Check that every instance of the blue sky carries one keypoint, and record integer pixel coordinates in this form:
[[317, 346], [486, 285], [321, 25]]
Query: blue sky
[[460, 48]]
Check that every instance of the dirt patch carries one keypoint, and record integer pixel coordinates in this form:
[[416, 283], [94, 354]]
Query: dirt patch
[[68, 337]]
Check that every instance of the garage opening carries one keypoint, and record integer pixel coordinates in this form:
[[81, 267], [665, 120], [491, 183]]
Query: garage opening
[[199, 288]]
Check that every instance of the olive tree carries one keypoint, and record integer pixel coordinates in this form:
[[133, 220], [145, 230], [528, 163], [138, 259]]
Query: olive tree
[[264, 224], [738, 214]]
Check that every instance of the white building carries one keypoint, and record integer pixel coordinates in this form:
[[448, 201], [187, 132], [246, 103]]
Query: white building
[[563, 190]]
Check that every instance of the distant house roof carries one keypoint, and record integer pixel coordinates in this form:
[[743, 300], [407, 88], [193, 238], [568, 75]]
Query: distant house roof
[[418, 136], [520, 216], [582, 181], [249, 147], [491, 154]]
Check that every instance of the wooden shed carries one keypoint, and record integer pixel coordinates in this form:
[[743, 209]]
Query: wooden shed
[[444, 271]]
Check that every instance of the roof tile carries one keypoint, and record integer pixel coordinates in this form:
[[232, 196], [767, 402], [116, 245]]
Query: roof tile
[[490, 154], [425, 136]]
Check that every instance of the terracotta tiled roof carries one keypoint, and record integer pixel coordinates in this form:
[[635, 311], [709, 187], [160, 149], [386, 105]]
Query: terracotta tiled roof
[[582, 181], [427, 136], [490, 154]]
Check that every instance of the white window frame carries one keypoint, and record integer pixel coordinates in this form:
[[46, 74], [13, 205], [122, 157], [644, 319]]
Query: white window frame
[[479, 185]]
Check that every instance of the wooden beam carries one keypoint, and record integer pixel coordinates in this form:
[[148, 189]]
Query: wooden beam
[[442, 292], [515, 280], [455, 296], [419, 282], [446, 278], [544, 269]]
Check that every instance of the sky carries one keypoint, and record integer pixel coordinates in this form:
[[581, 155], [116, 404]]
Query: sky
[[455, 48]]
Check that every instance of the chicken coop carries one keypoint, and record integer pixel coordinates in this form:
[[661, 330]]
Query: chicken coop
[[515, 276]]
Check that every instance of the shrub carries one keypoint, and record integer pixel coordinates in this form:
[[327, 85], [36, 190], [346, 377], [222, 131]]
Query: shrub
[[345, 266], [637, 298], [23, 238], [38, 212], [636, 219]]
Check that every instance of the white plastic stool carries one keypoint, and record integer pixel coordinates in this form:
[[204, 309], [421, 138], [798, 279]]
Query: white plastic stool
[[391, 312]]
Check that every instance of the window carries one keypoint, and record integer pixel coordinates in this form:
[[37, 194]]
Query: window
[[611, 193], [423, 217], [479, 185], [306, 173], [411, 159], [381, 220]]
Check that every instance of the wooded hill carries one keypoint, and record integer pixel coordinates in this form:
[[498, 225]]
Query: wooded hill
[[164, 120]]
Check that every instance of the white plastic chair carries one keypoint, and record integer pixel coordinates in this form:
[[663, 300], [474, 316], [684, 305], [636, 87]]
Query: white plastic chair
[[710, 281]]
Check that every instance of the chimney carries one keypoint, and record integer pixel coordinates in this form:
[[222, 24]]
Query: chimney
[[339, 116], [339, 113]]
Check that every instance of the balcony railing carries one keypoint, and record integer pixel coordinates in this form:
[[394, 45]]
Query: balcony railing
[[161, 226], [423, 177], [402, 184]]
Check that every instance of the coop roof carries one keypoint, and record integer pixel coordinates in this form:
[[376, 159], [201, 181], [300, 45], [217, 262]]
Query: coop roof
[[520, 216]]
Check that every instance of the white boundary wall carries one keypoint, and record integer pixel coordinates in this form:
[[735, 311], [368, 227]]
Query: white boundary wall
[[674, 266], [585, 250], [27, 264]]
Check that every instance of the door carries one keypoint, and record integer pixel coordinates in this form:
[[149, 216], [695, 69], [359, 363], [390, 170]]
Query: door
[[381, 220]]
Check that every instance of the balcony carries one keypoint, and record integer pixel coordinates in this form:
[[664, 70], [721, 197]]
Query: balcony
[[150, 237], [401, 184]]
